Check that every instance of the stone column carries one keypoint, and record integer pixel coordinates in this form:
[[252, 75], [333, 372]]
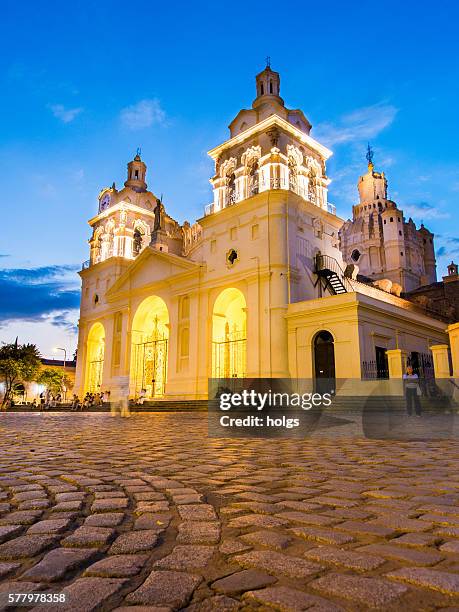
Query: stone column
[[78, 387], [440, 360], [453, 331], [397, 362]]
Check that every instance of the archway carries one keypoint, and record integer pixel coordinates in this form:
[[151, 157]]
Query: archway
[[324, 360], [150, 336], [95, 358], [229, 335]]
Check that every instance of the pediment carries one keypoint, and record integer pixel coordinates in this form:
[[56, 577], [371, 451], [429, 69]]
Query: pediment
[[152, 267]]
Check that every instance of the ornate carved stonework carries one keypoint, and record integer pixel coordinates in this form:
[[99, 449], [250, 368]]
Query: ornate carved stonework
[[228, 166], [313, 166], [250, 155], [293, 153]]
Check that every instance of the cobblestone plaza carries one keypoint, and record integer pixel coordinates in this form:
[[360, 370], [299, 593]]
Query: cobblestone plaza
[[149, 513]]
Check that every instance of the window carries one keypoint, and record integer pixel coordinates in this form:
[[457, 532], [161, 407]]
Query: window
[[401, 253], [231, 257], [391, 219], [355, 256], [136, 174], [262, 91], [270, 87], [255, 231], [399, 232]]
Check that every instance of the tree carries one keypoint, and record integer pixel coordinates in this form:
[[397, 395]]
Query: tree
[[18, 363], [53, 379]]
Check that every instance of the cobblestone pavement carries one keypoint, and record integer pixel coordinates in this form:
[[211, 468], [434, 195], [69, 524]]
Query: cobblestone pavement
[[148, 513]]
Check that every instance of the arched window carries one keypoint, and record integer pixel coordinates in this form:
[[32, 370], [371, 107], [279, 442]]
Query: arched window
[[253, 178], [231, 188]]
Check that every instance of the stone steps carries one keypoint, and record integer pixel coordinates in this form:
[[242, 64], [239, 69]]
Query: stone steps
[[148, 406]]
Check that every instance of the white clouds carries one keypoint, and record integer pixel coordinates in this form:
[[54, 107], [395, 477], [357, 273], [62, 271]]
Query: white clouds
[[423, 211], [362, 124], [66, 115], [142, 115]]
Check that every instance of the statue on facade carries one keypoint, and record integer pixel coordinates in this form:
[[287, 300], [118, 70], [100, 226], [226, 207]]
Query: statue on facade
[[274, 136], [160, 214], [137, 242]]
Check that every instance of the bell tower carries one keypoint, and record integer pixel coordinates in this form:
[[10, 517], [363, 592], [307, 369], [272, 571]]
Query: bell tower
[[268, 86], [136, 174]]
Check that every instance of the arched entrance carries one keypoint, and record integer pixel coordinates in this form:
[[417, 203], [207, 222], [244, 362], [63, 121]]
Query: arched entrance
[[95, 358], [324, 358], [229, 335], [150, 336]]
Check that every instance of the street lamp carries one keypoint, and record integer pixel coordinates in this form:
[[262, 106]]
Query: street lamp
[[58, 348]]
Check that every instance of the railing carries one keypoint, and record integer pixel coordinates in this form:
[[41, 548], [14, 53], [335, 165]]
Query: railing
[[231, 197], [325, 263], [372, 370], [422, 364], [229, 358], [255, 186]]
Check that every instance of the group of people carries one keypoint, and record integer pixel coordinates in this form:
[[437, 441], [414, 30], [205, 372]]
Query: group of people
[[48, 400], [90, 400]]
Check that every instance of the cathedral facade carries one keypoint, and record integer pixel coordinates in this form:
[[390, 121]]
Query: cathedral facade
[[267, 283]]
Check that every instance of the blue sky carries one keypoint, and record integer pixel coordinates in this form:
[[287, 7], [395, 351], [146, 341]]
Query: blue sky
[[85, 83]]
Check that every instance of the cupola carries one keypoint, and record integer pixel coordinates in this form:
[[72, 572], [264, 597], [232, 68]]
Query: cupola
[[268, 86], [136, 174]]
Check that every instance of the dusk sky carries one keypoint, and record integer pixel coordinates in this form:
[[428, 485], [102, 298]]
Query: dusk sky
[[85, 83]]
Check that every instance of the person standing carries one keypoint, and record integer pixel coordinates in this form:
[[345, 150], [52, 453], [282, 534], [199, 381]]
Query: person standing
[[412, 392]]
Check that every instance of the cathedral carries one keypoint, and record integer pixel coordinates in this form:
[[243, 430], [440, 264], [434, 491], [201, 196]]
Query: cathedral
[[269, 282]]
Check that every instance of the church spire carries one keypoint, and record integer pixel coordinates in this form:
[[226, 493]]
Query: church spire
[[369, 156], [136, 174]]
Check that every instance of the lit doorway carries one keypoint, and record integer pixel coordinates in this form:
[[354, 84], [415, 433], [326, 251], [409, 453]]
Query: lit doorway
[[150, 337], [229, 335]]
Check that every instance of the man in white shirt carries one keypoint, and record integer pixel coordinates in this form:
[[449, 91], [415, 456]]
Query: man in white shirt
[[412, 392]]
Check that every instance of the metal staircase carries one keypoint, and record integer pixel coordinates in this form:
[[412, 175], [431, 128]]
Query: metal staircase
[[329, 270]]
